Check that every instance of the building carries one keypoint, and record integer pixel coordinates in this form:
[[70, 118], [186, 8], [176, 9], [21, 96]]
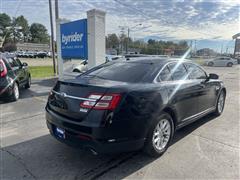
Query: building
[[237, 45], [168, 52], [33, 47], [206, 52]]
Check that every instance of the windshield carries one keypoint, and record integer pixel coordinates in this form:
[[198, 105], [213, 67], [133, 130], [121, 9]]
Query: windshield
[[125, 72]]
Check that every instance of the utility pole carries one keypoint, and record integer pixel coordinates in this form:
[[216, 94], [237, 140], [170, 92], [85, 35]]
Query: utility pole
[[128, 40], [191, 52], [52, 38], [122, 33], [195, 47], [56, 10]]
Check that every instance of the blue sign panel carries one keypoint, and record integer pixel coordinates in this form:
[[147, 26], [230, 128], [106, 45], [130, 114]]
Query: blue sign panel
[[74, 40]]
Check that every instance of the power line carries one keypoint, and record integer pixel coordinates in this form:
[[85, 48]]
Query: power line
[[18, 7], [157, 18]]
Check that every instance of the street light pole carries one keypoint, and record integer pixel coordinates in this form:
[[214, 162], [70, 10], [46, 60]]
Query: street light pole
[[52, 37], [128, 40]]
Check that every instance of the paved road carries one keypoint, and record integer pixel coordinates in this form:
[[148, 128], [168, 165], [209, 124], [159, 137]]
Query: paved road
[[208, 148]]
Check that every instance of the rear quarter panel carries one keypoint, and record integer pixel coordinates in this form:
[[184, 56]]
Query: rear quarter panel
[[140, 106]]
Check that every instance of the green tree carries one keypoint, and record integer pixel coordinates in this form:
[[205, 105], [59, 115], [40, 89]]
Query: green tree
[[183, 45], [22, 22], [39, 33], [112, 41], [5, 21]]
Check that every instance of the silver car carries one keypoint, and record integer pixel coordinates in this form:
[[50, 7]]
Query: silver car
[[222, 61]]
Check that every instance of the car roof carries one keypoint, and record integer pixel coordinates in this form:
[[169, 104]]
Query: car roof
[[156, 60]]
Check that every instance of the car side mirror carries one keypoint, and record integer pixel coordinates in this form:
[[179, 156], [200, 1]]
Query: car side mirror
[[213, 76], [24, 64]]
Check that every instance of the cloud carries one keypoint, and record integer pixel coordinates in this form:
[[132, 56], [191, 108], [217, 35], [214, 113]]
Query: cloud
[[179, 19]]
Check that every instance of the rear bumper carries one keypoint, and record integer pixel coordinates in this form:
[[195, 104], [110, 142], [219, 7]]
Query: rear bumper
[[97, 139]]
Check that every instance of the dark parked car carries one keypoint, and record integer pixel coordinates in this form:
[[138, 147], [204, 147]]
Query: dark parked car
[[41, 55], [13, 75], [129, 105]]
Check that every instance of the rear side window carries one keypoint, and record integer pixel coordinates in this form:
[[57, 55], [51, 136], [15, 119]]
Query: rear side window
[[125, 72], [7, 65], [195, 72], [165, 75], [178, 71], [12, 62], [18, 61]]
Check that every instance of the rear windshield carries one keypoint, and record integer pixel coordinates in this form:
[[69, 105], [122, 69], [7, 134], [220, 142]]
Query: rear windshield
[[125, 72]]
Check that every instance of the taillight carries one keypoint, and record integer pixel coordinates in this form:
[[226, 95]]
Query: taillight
[[103, 102], [3, 69]]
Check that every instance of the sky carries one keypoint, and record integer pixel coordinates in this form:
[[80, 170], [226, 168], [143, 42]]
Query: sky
[[212, 23]]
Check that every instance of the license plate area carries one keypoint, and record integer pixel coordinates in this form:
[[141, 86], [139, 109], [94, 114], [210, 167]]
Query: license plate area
[[59, 132]]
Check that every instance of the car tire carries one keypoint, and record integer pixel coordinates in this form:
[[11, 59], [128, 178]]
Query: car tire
[[28, 84], [220, 103], [15, 92], [210, 64], [154, 137], [229, 64]]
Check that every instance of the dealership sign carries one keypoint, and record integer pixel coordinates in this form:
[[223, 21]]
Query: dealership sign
[[74, 40]]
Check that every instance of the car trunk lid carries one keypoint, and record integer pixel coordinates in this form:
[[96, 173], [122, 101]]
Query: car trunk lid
[[68, 94]]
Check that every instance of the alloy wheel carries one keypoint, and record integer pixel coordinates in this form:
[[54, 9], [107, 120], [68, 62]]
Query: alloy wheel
[[161, 134], [221, 102], [16, 91]]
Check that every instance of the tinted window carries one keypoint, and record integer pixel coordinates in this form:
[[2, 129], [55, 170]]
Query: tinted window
[[12, 62], [194, 72], [125, 72], [178, 71], [165, 75], [7, 65], [222, 59], [18, 61]]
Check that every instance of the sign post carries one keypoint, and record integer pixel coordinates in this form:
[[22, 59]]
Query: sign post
[[96, 37], [82, 39]]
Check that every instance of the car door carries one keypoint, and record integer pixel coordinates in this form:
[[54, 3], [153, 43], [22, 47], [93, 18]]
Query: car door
[[206, 90], [217, 62], [17, 69], [24, 70], [222, 61], [181, 91]]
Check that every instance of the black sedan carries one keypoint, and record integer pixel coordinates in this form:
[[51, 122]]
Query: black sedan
[[126, 106], [13, 75]]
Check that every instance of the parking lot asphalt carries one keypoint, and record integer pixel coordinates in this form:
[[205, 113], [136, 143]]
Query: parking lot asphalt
[[206, 149]]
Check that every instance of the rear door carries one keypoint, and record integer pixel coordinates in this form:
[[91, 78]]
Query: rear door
[[17, 69]]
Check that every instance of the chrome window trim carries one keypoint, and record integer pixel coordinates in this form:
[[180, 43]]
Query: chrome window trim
[[165, 65], [155, 79], [73, 97], [197, 66]]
